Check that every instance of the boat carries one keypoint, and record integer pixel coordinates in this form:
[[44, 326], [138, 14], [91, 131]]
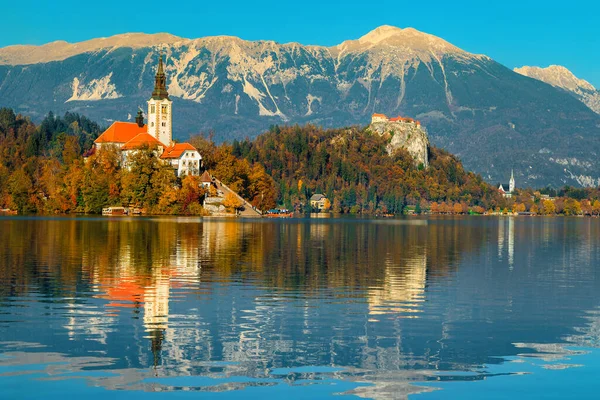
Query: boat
[[279, 213], [114, 211]]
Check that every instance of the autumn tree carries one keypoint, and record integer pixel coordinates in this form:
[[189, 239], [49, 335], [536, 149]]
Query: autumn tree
[[596, 207], [572, 207], [232, 203], [145, 179], [519, 208], [548, 207], [101, 189], [21, 190]]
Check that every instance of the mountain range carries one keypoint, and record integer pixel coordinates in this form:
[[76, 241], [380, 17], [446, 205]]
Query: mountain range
[[493, 118]]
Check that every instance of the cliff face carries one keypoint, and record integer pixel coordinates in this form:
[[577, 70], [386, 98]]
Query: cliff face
[[407, 135]]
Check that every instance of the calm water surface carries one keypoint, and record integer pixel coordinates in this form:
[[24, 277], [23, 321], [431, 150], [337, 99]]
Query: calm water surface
[[419, 308]]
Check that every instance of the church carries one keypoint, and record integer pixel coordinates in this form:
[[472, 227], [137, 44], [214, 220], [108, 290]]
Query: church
[[507, 190], [157, 133]]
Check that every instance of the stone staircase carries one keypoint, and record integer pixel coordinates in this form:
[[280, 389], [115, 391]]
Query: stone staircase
[[248, 209]]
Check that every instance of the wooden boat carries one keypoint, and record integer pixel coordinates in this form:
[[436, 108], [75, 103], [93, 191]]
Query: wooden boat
[[114, 211]]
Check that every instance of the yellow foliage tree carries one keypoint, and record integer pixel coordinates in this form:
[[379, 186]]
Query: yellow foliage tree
[[596, 207], [572, 207], [232, 202], [519, 208], [548, 207], [458, 209]]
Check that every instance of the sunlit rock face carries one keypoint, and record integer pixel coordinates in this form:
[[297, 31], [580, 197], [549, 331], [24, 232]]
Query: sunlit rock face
[[493, 118], [409, 135], [561, 77]]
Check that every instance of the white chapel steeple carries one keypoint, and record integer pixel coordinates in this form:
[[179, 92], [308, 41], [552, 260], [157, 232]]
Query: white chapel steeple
[[160, 109], [511, 184]]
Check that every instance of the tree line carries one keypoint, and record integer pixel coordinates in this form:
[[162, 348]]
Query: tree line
[[42, 170], [354, 170]]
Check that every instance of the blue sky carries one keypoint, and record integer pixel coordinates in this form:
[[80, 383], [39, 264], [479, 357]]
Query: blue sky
[[514, 33]]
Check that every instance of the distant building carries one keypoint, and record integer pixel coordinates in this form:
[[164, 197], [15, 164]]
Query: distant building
[[507, 190], [129, 137], [184, 158], [206, 180], [379, 118], [319, 201], [375, 118]]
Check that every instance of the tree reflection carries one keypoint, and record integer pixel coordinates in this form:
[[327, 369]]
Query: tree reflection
[[279, 293]]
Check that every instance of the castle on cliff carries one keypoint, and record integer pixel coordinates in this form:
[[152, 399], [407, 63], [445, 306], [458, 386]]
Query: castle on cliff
[[383, 118], [403, 132]]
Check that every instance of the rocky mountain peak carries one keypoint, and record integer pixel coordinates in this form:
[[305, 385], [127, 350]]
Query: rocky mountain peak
[[561, 77], [408, 38], [556, 75]]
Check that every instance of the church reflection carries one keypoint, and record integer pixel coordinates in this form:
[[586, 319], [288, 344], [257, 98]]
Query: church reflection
[[506, 236], [403, 287], [176, 296], [259, 292], [385, 265]]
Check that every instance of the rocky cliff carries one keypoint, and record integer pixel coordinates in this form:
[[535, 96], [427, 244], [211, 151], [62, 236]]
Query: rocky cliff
[[408, 135]]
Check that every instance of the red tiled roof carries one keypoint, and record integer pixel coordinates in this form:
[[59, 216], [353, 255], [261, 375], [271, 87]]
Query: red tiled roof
[[403, 119], [176, 150], [141, 139], [379, 115], [121, 132], [205, 178], [124, 294]]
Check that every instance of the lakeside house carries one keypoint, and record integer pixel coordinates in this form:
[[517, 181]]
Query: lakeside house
[[320, 202]]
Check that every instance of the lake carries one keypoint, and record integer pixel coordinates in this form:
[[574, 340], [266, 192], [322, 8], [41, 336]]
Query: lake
[[419, 308]]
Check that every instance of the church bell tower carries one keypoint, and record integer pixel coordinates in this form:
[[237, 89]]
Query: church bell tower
[[511, 184], [160, 108]]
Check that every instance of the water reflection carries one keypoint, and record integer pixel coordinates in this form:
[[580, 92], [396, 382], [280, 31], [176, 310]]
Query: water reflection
[[388, 303], [509, 237]]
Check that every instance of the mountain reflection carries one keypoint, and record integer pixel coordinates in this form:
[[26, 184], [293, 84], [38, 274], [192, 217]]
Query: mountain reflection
[[391, 301]]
